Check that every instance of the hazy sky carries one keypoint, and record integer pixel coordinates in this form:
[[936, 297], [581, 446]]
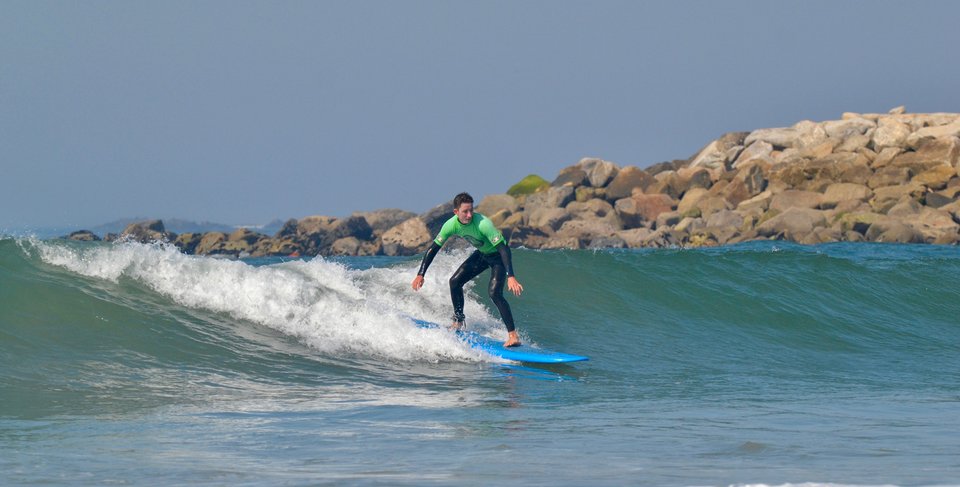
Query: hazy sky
[[242, 112]]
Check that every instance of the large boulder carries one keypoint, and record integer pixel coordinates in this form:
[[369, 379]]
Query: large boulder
[[635, 237], [599, 172], [147, 231], [242, 241], [796, 199], [893, 231], [792, 224], [890, 133], [382, 220], [886, 197], [211, 244], [188, 242], [491, 204], [547, 220], [690, 200], [930, 153], [628, 179], [951, 130], [785, 137], [851, 127], [720, 153], [595, 209], [838, 192], [82, 236], [408, 238], [555, 197], [571, 176], [587, 230], [435, 217], [936, 178], [641, 208], [317, 233], [889, 176]]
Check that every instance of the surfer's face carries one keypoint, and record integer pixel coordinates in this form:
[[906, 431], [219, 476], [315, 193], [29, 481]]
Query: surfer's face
[[464, 213]]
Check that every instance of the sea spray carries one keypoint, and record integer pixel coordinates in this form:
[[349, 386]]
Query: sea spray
[[324, 304]]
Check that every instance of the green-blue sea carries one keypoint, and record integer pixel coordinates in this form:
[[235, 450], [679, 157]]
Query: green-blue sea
[[763, 363]]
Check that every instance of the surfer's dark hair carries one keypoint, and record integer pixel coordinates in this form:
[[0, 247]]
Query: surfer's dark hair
[[461, 199]]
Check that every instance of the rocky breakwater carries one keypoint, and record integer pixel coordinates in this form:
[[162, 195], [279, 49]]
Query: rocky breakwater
[[867, 177]]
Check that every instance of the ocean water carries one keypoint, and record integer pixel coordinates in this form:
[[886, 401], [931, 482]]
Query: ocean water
[[764, 363]]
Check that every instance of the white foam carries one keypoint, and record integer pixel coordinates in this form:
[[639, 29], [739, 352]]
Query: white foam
[[324, 304]]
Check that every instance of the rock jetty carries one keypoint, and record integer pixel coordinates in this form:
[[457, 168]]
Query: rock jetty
[[867, 177]]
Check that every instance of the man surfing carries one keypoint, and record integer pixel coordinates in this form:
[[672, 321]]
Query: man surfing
[[492, 252]]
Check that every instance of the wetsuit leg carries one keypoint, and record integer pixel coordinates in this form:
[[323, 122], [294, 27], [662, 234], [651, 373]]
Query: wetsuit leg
[[498, 277], [472, 267]]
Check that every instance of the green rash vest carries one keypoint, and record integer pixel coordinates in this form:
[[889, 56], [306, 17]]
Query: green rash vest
[[480, 232]]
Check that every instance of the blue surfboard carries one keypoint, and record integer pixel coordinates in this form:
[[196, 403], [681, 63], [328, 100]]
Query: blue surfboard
[[522, 353]]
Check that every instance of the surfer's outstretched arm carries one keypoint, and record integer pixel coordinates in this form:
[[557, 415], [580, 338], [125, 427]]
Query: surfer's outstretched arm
[[427, 259], [512, 283]]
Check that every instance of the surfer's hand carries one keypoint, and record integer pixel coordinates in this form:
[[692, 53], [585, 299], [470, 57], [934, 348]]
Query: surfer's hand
[[514, 286], [418, 283]]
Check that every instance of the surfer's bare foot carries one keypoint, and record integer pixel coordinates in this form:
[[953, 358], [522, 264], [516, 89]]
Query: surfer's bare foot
[[513, 339], [456, 326]]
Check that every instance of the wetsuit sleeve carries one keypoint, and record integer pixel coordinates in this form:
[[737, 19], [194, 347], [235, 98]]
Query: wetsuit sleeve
[[428, 258], [507, 259]]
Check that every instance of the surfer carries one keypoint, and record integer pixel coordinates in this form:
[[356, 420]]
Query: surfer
[[492, 252]]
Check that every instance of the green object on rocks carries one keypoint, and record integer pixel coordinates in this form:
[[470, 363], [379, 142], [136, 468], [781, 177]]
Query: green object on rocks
[[528, 185]]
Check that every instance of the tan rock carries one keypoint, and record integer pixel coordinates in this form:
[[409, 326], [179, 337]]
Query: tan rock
[[838, 192], [690, 200], [689, 224], [407, 238], [889, 176], [792, 224], [146, 232], [719, 153], [626, 180], [761, 201], [634, 238], [951, 130], [890, 133], [937, 177], [930, 153], [713, 204], [846, 128], [795, 199], [554, 197], [211, 243], [346, 246], [759, 151], [906, 209], [595, 209], [636, 210], [885, 157], [893, 231], [587, 193], [548, 220], [886, 197], [599, 172], [854, 143], [562, 243], [860, 222], [187, 242], [490, 205], [668, 219], [936, 225]]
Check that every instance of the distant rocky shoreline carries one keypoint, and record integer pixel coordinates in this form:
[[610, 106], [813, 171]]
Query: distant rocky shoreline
[[866, 177]]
